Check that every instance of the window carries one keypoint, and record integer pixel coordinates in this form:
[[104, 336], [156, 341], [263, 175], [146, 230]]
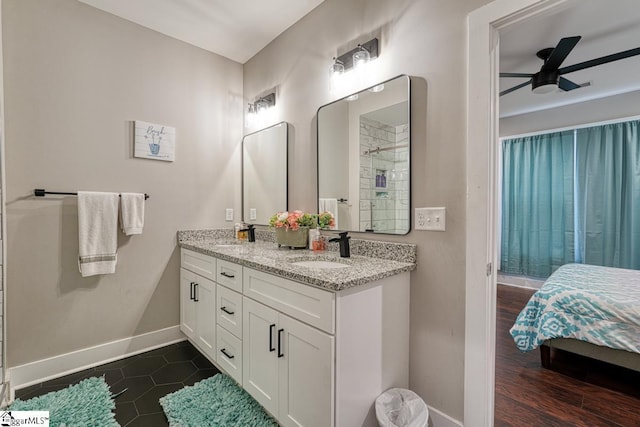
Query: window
[[571, 196]]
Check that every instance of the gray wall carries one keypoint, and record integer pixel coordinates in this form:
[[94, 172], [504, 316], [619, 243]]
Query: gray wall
[[75, 77], [425, 39]]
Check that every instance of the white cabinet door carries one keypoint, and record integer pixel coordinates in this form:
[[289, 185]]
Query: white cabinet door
[[205, 302], [260, 360], [187, 306], [306, 372]]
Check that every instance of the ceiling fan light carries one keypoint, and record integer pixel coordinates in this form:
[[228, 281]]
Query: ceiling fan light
[[546, 88], [544, 82]]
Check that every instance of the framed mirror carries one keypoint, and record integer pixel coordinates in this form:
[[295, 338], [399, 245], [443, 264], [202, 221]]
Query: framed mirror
[[364, 147], [264, 173]]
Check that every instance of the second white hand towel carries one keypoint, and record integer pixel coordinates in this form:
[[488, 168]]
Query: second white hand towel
[[132, 213], [97, 232]]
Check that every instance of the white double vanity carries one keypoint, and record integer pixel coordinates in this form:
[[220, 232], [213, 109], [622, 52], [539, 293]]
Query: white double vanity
[[314, 346]]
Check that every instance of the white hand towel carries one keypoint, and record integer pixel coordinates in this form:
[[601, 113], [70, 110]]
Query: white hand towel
[[97, 231], [330, 205], [131, 213]]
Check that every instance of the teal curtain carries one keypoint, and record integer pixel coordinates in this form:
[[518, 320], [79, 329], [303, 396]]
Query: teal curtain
[[608, 195], [537, 204]]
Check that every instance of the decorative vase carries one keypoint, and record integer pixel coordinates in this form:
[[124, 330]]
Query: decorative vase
[[292, 238]]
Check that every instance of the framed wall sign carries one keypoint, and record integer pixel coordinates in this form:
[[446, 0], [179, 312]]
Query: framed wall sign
[[152, 141]]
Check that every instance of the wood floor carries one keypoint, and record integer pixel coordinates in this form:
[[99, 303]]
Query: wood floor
[[577, 391]]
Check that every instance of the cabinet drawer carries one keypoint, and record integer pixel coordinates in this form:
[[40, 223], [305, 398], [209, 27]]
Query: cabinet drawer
[[201, 264], [229, 354], [310, 305], [229, 275], [229, 310]]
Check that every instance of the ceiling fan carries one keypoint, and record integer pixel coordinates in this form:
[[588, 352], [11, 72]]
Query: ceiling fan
[[549, 76]]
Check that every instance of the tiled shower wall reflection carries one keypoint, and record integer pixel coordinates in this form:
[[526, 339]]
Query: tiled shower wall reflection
[[384, 177]]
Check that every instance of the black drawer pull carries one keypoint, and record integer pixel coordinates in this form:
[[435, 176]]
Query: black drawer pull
[[227, 311], [280, 354], [224, 351], [195, 292], [191, 297], [271, 328], [225, 274]]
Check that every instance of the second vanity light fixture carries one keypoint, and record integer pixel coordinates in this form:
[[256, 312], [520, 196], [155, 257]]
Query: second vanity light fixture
[[258, 107], [262, 104], [355, 59]]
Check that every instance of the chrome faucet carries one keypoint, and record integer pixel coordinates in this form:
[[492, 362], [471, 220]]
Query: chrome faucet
[[343, 240]]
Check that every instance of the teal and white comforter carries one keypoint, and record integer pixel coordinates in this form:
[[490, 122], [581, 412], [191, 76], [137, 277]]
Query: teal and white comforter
[[600, 305]]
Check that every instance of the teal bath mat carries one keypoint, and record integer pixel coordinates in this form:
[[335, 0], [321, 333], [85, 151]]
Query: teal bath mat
[[216, 401], [87, 403]]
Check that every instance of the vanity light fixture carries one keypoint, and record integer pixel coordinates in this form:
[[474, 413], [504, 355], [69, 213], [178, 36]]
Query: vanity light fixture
[[258, 107], [360, 55], [353, 97], [263, 103]]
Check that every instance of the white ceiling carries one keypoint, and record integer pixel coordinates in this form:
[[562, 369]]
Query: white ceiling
[[606, 27], [236, 29]]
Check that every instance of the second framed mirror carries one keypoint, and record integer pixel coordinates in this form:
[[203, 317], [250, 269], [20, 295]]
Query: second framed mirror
[[364, 146]]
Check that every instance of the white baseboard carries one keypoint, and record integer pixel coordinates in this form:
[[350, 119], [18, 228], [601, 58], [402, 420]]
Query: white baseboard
[[440, 419], [64, 364], [519, 281]]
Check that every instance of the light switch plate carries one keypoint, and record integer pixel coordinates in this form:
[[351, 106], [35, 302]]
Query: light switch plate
[[431, 219], [252, 214], [228, 214]]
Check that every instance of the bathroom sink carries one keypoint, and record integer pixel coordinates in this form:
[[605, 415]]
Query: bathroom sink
[[320, 264]]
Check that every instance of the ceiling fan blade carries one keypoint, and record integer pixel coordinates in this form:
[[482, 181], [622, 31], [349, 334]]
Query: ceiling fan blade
[[561, 51], [528, 75], [566, 84], [599, 61], [511, 89]]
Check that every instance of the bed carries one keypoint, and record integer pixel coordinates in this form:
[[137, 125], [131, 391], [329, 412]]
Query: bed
[[586, 309]]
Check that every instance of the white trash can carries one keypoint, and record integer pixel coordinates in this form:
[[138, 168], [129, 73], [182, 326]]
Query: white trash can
[[398, 407]]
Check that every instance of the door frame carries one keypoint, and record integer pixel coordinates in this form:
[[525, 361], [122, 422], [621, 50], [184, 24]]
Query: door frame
[[483, 26]]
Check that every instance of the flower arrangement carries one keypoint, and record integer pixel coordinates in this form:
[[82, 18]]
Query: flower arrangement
[[325, 220], [292, 220]]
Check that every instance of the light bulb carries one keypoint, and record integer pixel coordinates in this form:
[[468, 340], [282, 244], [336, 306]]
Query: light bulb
[[261, 106], [335, 74], [360, 57], [251, 116]]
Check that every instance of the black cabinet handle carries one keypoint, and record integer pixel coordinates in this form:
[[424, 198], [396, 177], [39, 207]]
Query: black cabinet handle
[[191, 291], [280, 354], [195, 292], [227, 311], [271, 328], [225, 274], [224, 351]]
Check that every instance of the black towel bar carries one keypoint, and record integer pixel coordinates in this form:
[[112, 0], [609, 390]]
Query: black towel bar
[[39, 192]]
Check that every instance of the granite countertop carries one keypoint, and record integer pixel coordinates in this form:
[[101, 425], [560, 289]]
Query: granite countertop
[[266, 256]]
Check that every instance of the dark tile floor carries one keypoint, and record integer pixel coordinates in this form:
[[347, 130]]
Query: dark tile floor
[[147, 377]]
